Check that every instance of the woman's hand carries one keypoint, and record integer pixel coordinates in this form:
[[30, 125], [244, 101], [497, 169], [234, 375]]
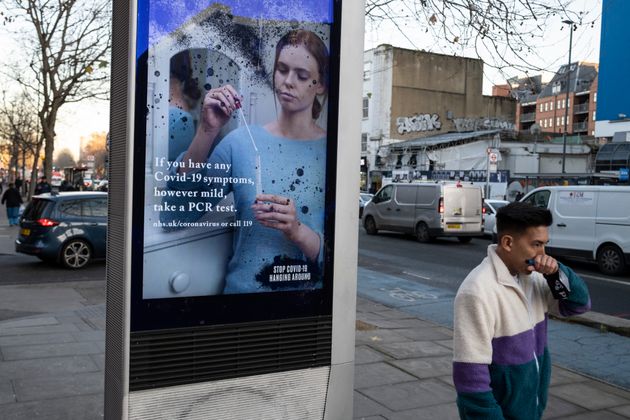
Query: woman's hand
[[278, 212], [218, 105]]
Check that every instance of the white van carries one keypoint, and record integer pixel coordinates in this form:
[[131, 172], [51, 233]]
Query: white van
[[426, 210], [590, 222]]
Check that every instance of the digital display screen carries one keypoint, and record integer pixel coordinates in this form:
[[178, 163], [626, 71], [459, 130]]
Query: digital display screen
[[235, 144]]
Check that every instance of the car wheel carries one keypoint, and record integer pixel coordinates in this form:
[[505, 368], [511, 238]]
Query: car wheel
[[76, 253], [422, 232], [464, 239], [610, 260], [370, 226]]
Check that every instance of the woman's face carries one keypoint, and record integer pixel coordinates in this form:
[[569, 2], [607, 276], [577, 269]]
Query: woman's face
[[297, 80]]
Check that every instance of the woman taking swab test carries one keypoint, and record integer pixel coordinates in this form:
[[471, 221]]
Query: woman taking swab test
[[287, 156]]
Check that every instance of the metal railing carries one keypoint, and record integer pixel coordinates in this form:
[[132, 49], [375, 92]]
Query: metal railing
[[531, 116], [580, 108], [581, 126]]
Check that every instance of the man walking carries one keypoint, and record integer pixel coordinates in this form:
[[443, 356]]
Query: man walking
[[42, 186], [501, 365], [13, 199]]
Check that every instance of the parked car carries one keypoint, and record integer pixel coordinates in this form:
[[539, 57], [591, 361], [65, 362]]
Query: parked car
[[426, 210], [490, 208], [103, 185], [590, 222], [364, 198], [69, 228], [88, 182]]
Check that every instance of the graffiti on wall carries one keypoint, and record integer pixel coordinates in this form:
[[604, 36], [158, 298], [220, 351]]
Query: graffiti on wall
[[420, 122], [476, 124]]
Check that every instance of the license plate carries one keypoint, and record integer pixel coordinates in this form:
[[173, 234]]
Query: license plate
[[25, 232], [453, 226]]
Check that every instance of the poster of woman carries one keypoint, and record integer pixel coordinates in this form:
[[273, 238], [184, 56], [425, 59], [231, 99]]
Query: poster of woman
[[236, 166]]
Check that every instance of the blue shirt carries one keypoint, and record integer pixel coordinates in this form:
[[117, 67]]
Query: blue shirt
[[291, 168], [181, 131]]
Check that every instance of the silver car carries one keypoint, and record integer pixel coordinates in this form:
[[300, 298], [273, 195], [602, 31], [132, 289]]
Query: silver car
[[490, 208], [364, 198]]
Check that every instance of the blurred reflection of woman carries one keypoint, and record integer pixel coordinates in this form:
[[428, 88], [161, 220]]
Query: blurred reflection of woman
[[288, 216], [183, 97]]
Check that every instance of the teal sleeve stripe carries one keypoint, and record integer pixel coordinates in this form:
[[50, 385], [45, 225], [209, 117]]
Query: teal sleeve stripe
[[478, 406], [579, 300]]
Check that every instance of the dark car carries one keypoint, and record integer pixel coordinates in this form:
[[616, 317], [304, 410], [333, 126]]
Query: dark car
[[69, 228]]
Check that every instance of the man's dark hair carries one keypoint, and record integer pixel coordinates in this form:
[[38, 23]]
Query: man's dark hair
[[517, 217]]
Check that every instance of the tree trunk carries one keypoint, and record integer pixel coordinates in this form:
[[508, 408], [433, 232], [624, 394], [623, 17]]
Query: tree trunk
[[33, 183], [48, 155], [48, 131]]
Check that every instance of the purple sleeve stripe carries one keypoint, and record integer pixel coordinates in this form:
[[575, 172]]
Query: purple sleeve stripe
[[520, 348], [567, 310], [471, 377]]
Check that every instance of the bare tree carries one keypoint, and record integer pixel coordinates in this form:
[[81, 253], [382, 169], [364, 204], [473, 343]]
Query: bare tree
[[20, 133], [67, 43], [95, 148], [503, 33]]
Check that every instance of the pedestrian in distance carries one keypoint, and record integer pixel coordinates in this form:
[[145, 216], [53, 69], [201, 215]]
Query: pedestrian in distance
[[42, 186], [501, 364], [13, 200]]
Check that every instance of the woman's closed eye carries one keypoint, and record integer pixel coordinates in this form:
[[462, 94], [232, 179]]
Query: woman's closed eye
[[301, 74]]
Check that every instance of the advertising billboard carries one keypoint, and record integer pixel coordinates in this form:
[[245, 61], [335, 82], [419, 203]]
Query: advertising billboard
[[234, 161]]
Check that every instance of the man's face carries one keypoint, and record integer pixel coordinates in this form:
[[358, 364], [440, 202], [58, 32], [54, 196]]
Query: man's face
[[520, 248]]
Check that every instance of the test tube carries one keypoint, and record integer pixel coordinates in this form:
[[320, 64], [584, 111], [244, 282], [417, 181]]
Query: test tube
[[258, 167]]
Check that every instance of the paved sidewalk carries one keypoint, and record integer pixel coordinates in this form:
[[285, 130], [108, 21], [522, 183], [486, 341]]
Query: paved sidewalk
[[51, 367], [51, 364]]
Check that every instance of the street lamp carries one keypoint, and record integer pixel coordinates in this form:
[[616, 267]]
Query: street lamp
[[535, 131], [566, 100]]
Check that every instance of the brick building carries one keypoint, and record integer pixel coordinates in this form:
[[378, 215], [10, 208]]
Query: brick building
[[546, 104]]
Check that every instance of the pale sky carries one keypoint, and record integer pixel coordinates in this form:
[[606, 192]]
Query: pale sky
[[79, 120], [552, 50]]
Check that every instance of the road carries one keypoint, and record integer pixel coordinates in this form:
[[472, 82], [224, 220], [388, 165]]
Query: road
[[24, 269], [445, 263]]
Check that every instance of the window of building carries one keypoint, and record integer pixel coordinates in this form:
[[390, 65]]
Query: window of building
[[541, 107], [595, 97], [551, 105], [364, 138], [562, 120], [546, 106], [540, 123], [367, 67], [558, 104], [366, 106], [545, 123], [550, 122], [593, 115], [557, 120]]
